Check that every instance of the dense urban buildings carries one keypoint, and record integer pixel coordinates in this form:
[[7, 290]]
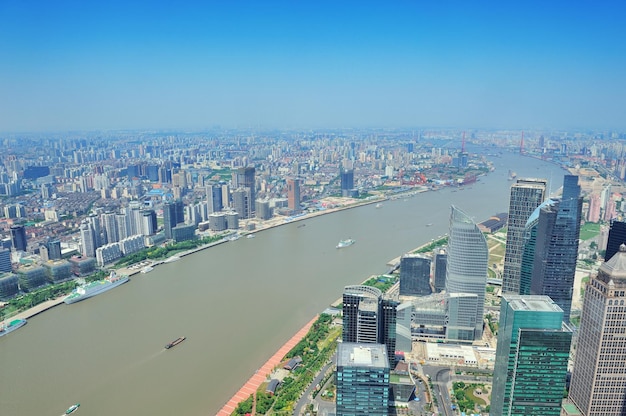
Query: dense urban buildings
[[526, 195], [598, 386], [531, 357], [556, 247], [466, 278]]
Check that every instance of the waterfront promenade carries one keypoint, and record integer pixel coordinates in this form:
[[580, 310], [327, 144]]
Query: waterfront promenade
[[260, 376]]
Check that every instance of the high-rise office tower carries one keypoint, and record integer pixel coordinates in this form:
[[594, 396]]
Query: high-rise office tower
[[556, 248], [241, 202], [439, 273], [18, 237], [244, 178], [368, 317], [415, 275], [54, 250], [528, 252], [617, 237], [526, 195], [598, 386], [169, 218], [531, 357], [293, 194], [347, 181], [362, 380], [466, 270], [214, 198]]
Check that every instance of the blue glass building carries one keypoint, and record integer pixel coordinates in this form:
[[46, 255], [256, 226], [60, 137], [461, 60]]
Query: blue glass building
[[531, 357], [362, 380]]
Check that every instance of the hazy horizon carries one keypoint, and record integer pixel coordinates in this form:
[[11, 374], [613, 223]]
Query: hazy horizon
[[310, 65]]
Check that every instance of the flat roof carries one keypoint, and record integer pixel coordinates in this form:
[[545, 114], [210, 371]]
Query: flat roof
[[351, 354], [538, 303]]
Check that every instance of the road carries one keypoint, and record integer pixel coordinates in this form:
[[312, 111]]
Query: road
[[305, 398], [440, 377]]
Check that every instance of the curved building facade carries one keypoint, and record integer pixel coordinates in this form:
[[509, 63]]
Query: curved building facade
[[466, 270]]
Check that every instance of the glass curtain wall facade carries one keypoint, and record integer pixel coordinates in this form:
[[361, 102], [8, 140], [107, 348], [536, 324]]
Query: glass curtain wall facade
[[526, 195], [556, 248], [466, 268], [362, 380], [369, 318], [531, 357]]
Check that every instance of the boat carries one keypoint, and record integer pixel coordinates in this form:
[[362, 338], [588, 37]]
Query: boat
[[147, 269], [430, 224], [175, 342], [12, 326], [95, 288], [250, 236], [379, 205], [72, 408], [345, 243], [301, 225]]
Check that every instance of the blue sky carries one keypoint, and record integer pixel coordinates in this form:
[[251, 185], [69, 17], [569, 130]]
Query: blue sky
[[312, 64]]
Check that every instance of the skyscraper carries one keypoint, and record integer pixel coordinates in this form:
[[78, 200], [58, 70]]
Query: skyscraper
[[598, 386], [347, 181], [362, 380], [18, 237], [531, 357], [293, 194], [245, 178], [368, 317], [173, 214], [110, 227], [54, 250], [214, 198], [415, 275], [528, 252], [556, 247], [439, 273], [617, 237], [466, 269], [87, 240], [526, 195]]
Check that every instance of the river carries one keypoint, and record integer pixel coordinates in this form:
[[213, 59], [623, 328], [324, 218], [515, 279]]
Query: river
[[236, 303]]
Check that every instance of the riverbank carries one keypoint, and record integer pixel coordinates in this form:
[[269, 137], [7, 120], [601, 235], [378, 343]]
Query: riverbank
[[260, 376]]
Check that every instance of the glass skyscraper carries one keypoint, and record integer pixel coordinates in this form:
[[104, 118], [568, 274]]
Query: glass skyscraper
[[556, 248], [466, 271], [369, 318], [531, 357], [526, 195], [598, 385], [415, 275], [362, 380], [529, 245]]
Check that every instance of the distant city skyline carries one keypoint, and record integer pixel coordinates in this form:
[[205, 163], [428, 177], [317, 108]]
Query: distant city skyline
[[157, 65]]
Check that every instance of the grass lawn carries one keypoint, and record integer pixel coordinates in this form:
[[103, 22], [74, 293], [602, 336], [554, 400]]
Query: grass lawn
[[589, 230], [469, 392]]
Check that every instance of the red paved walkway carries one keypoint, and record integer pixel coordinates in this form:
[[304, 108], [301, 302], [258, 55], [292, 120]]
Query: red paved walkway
[[261, 375]]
